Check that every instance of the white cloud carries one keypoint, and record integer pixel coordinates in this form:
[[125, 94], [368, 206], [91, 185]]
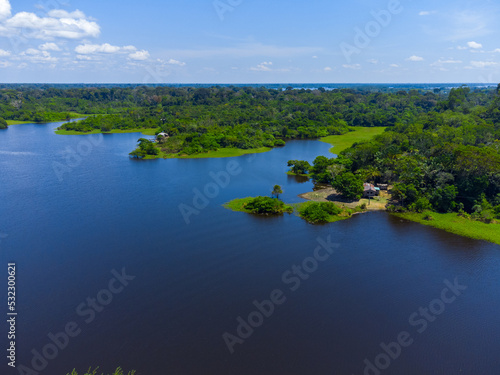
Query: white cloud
[[327, 69], [394, 66], [373, 61], [89, 49], [482, 64], [353, 66], [37, 56], [263, 67], [32, 26], [139, 55], [49, 47], [426, 13], [175, 62], [474, 45], [4, 9], [4, 53], [415, 58], [84, 57], [496, 50]]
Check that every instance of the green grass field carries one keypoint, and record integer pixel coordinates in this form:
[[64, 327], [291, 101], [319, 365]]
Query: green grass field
[[343, 142], [12, 122], [458, 225]]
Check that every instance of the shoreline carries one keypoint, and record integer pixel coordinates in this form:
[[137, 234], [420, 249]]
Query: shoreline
[[330, 195], [221, 153], [453, 223]]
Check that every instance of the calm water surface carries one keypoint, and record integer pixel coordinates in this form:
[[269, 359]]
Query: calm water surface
[[67, 232]]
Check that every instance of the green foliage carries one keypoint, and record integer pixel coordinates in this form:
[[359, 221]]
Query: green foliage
[[3, 123], [277, 190], [299, 166], [320, 170], [349, 185], [146, 147], [421, 204], [266, 206], [443, 199], [319, 212]]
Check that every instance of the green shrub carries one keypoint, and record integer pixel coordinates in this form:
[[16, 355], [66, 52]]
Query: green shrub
[[3, 124], [319, 212], [266, 205], [422, 204]]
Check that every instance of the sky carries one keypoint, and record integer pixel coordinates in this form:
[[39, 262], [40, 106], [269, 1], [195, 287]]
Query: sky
[[249, 41]]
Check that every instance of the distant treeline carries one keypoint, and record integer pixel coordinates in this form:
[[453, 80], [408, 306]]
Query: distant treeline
[[205, 119]]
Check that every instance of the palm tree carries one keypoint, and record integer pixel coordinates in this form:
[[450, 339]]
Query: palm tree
[[277, 191]]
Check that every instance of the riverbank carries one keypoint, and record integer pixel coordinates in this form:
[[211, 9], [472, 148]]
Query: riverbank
[[13, 122], [115, 131], [73, 115], [221, 153], [344, 141], [456, 224]]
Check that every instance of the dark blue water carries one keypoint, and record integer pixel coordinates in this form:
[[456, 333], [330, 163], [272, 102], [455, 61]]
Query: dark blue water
[[67, 223]]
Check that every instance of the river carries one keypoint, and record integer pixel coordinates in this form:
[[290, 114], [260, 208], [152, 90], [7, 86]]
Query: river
[[130, 263]]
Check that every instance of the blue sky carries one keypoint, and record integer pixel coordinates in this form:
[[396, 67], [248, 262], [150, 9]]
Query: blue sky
[[244, 41]]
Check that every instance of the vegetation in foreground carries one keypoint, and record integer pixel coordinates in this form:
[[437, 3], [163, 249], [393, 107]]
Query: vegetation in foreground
[[118, 371], [457, 224]]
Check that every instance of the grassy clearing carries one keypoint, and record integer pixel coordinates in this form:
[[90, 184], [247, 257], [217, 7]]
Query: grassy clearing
[[116, 131], [456, 224], [221, 153], [343, 142], [377, 203], [12, 122]]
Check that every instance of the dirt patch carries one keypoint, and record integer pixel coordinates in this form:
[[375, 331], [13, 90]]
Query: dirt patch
[[331, 195]]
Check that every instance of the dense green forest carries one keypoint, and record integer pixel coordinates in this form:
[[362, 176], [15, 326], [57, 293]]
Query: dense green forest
[[203, 119], [447, 159]]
